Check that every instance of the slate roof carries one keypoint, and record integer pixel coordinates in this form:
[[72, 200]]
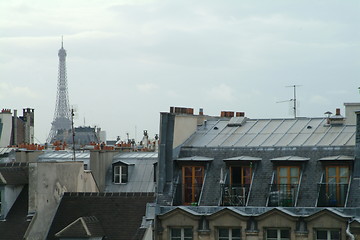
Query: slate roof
[[15, 225], [303, 141], [140, 172], [119, 214], [14, 173]]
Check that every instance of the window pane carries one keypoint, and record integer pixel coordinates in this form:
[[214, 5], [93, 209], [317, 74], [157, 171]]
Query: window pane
[[176, 233], [284, 234], [283, 180], [117, 170], [344, 172], [223, 233], [331, 171], [271, 233], [283, 172], [188, 233], [198, 171], [294, 180], [236, 233], [294, 172], [331, 180], [117, 179], [188, 171], [321, 235], [335, 235]]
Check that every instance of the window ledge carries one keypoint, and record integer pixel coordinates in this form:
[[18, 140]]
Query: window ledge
[[204, 232]]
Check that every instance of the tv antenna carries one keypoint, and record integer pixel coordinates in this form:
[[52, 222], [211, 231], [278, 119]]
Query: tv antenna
[[73, 115], [292, 99]]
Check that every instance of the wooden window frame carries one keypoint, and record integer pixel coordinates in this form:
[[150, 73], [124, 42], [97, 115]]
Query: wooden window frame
[[288, 176], [337, 178], [193, 177], [243, 177]]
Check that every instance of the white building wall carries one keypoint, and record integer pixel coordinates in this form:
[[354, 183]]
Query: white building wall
[[10, 195], [47, 182], [185, 126], [350, 116], [5, 136]]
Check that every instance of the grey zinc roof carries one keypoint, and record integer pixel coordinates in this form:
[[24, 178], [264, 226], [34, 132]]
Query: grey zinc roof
[[290, 158], [64, 156], [272, 133], [140, 172], [6, 150], [242, 158], [338, 158], [195, 158]]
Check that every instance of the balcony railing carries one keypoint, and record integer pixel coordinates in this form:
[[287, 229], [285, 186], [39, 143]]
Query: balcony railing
[[332, 194], [187, 194], [282, 195], [234, 194]]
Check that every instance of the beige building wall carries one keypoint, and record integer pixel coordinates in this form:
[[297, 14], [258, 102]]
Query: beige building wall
[[273, 219], [326, 221], [185, 126], [178, 218], [226, 219], [47, 182], [276, 220], [350, 116]]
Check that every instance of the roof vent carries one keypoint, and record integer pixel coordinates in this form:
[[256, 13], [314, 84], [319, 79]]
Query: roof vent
[[236, 121]]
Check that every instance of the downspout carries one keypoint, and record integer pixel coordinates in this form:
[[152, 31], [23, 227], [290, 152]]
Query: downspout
[[348, 233]]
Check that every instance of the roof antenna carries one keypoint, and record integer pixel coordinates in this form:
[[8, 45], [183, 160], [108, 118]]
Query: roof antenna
[[292, 99]]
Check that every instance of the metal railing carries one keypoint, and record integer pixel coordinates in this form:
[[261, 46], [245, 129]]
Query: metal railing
[[234, 194], [332, 194], [283, 195]]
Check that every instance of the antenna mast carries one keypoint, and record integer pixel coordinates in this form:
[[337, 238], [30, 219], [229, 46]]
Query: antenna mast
[[293, 99]]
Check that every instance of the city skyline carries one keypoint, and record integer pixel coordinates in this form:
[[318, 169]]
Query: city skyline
[[128, 61]]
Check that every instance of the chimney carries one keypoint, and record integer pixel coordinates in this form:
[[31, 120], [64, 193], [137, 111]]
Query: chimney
[[240, 114], [357, 147], [165, 161], [15, 127], [201, 111], [338, 112]]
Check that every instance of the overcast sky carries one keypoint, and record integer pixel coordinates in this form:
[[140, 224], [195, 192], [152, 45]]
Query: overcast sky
[[127, 61]]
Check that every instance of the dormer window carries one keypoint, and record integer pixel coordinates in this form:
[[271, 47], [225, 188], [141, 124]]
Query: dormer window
[[335, 181], [236, 187], [286, 181], [192, 179], [336, 185], [120, 174]]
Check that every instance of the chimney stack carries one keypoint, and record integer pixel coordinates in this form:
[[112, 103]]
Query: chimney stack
[[357, 147]]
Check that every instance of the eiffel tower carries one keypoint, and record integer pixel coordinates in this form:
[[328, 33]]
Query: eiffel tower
[[62, 116]]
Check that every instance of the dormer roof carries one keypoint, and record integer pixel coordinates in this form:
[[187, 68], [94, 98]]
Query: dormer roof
[[82, 227]]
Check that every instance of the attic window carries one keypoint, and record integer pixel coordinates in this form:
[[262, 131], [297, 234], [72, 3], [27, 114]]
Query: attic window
[[120, 174]]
